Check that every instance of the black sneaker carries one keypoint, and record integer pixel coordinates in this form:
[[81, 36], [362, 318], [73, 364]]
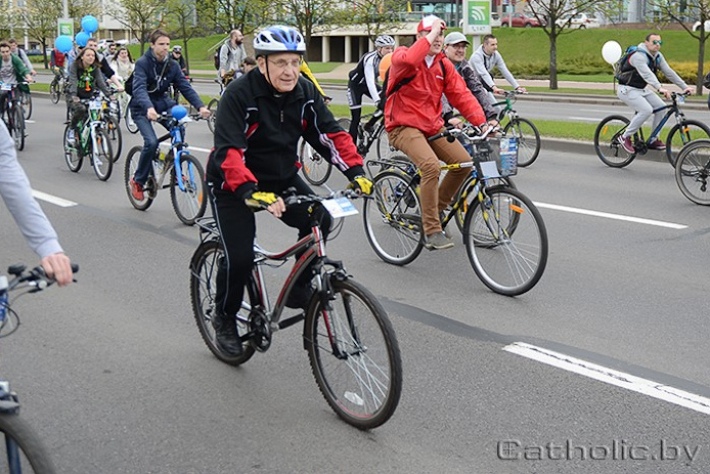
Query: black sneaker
[[226, 336], [300, 296]]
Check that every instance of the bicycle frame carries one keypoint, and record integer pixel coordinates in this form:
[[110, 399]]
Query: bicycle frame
[[673, 109], [176, 134], [369, 137]]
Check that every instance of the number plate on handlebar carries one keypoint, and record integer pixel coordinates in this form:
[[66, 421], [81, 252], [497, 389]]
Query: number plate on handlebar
[[6, 87], [340, 207]]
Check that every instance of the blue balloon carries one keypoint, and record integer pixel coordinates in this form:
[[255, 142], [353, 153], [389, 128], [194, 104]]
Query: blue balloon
[[63, 43], [178, 112], [82, 38], [89, 24]]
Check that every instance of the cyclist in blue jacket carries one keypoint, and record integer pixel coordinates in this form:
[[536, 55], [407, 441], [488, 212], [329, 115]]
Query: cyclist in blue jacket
[[153, 74]]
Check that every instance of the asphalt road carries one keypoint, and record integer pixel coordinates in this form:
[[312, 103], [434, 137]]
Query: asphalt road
[[115, 378]]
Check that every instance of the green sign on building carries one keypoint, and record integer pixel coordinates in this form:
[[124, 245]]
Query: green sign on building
[[65, 26], [476, 17]]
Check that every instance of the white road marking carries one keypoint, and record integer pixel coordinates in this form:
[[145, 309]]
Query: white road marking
[[611, 376], [584, 119], [57, 201], [607, 215], [203, 150]]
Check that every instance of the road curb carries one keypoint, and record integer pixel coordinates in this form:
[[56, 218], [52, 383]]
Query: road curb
[[587, 148]]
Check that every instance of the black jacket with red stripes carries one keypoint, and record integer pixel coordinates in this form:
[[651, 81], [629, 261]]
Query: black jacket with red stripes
[[257, 132]]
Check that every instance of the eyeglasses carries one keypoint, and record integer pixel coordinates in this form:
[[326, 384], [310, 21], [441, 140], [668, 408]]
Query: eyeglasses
[[283, 64], [658, 42]]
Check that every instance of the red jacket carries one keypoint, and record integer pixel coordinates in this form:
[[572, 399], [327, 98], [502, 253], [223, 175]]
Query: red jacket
[[417, 104]]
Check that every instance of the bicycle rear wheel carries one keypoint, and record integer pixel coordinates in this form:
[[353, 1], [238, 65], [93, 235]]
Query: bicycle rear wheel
[[354, 355], [392, 218], [190, 202], [528, 140], [683, 133], [102, 156], [316, 169], [213, 106], [384, 150], [606, 142], [692, 172], [132, 159], [23, 450], [203, 288], [506, 241], [54, 92], [72, 156]]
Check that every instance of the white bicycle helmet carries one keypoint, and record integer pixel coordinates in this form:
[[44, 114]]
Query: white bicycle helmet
[[279, 39], [384, 40]]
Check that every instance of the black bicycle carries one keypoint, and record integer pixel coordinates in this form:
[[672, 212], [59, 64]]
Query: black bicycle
[[13, 114], [610, 130], [23, 450]]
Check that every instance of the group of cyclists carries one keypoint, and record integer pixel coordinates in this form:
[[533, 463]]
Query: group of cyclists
[[265, 113]]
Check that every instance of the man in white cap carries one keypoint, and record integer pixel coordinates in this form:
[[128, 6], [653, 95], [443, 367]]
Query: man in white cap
[[455, 45], [418, 78]]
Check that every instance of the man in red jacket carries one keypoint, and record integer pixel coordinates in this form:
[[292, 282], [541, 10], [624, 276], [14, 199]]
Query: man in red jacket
[[418, 78]]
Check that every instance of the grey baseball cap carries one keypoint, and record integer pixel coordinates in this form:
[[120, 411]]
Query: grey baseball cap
[[455, 38]]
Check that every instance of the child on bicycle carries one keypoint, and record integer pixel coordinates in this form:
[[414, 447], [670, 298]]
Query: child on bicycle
[[260, 120]]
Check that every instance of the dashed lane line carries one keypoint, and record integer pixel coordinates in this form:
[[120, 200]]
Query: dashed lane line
[[57, 201]]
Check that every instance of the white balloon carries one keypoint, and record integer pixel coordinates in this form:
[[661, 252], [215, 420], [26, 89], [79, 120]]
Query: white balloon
[[611, 51]]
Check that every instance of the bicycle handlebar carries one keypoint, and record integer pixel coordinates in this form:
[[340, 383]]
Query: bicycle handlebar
[[471, 132], [36, 277]]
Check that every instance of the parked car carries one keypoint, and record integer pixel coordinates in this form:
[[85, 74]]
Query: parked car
[[580, 20], [520, 20], [33, 52], [696, 25]]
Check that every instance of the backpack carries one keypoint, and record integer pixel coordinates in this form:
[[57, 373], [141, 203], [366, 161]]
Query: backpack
[[217, 52], [398, 86], [622, 75], [128, 84]]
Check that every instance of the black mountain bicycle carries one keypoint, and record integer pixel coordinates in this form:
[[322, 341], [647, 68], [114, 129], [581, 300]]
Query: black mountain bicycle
[[611, 128]]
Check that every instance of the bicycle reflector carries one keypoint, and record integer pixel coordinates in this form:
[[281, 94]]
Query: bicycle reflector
[[178, 112]]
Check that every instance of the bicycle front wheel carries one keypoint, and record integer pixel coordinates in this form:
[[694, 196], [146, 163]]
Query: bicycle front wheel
[[102, 156], [354, 355], [18, 132], [606, 142], [72, 156], [392, 217], [506, 241], [466, 195], [23, 450], [316, 169], [528, 140], [130, 124], [26, 98], [134, 156], [212, 106], [113, 132], [189, 202], [204, 266], [692, 172], [681, 134]]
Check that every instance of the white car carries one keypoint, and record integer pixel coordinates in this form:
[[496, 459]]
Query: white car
[[696, 25], [580, 21]]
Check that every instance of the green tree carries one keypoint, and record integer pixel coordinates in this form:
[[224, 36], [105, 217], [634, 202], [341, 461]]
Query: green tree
[[141, 17], [556, 15], [40, 17], [182, 19], [677, 12]]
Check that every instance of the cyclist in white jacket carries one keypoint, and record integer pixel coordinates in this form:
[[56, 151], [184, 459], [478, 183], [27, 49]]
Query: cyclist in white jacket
[[486, 58]]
